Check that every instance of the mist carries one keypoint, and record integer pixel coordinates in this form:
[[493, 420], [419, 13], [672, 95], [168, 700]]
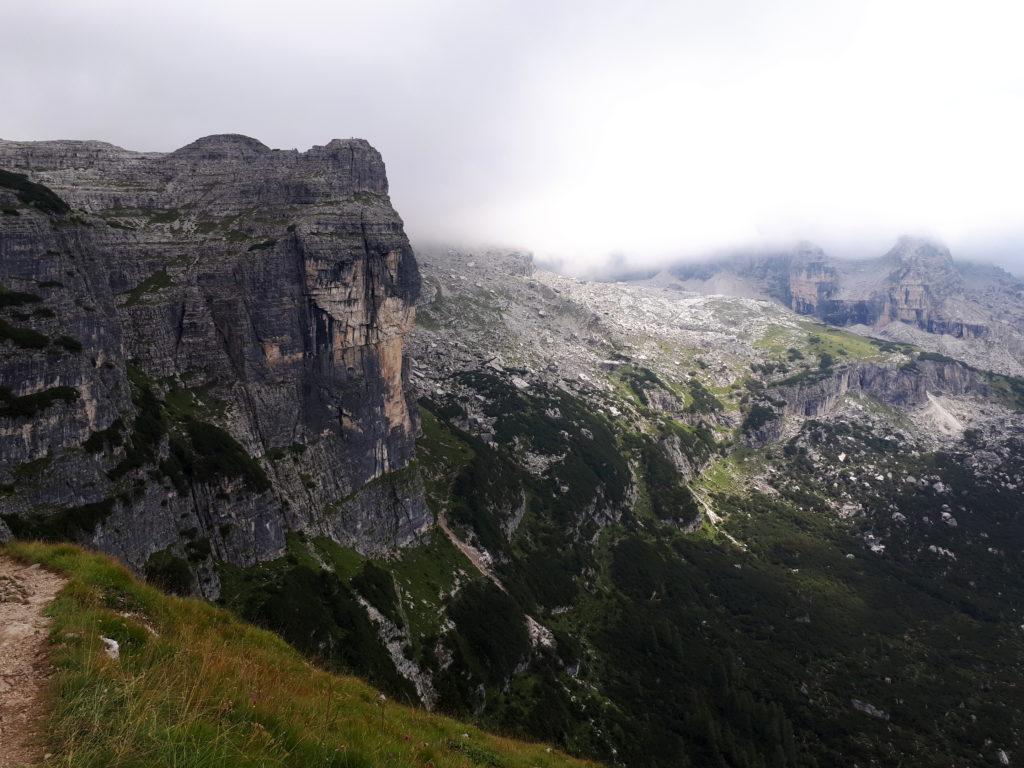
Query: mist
[[648, 131]]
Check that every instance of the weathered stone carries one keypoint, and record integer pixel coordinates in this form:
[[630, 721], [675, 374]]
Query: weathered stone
[[267, 292]]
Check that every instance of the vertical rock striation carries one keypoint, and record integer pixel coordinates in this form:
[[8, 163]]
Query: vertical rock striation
[[204, 350]]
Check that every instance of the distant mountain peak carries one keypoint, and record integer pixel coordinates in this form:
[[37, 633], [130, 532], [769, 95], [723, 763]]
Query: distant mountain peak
[[224, 144], [920, 249]]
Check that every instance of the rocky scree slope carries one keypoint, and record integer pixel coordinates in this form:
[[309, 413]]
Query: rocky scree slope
[[915, 293], [204, 350]]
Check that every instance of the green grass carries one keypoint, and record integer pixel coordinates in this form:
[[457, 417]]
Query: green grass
[[424, 573], [195, 687], [813, 340]]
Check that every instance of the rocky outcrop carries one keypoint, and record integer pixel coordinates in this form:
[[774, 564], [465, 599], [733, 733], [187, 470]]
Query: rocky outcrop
[[905, 386], [207, 350]]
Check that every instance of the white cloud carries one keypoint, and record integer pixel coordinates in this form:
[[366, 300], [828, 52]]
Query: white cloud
[[575, 128]]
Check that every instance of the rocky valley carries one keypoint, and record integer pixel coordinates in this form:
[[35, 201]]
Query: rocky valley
[[759, 512]]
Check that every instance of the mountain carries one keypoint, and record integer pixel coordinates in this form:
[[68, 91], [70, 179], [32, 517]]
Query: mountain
[[204, 350], [915, 293], [755, 539], [651, 525]]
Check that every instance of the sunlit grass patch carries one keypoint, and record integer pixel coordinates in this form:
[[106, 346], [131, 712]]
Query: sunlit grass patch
[[195, 687]]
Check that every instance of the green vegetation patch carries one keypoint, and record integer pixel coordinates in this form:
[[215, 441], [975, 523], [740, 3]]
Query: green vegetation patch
[[758, 415], [69, 344], [218, 455], [28, 406], [206, 690], [35, 195], [169, 572], [168, 216], [198, 451], [25, 338], [10, 298], [670, 498], [315, 611], [70, 523], [155, 282], [105, 439], [638, 379], [263, 245], [702, 400]]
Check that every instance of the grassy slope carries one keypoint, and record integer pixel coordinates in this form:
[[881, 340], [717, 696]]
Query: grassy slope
[[205, 689]]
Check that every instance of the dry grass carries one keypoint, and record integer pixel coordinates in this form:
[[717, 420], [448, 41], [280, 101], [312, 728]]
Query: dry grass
[[195, 686]]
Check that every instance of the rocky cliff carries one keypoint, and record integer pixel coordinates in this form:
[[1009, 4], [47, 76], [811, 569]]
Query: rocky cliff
[[204, 350], [914, 293]]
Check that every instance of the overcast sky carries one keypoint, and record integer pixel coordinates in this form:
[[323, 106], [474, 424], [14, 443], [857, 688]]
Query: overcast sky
[[575, 129]]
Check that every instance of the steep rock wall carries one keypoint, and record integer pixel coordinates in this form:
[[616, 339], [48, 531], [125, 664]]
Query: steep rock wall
[[211, 342], [906, 386]]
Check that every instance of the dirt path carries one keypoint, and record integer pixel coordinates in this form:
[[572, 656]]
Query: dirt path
[[716, 520], [25, 591], [474, 555]]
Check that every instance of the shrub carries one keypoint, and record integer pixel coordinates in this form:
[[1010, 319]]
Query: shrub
[[32, 194], [169, 573], [703, 400], [25, 338], [17, 298], [492, 628], [68, 343], [12, 406], [757, 417], [671, 499], [378, 587], [67, 524], [105, 438], [147, 432], [219, 455]]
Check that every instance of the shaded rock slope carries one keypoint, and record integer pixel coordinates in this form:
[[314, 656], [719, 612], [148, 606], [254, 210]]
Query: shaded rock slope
[[204, 350]]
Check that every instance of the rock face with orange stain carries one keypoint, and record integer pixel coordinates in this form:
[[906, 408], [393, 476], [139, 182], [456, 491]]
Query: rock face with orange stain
[[204, 350]]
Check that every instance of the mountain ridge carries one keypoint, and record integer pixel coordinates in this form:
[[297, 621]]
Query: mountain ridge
[[915, 292]]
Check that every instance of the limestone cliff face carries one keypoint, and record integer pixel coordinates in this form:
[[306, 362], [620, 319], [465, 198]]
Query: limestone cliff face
[[207, 350], [915, 283], [812, 280], [906, 386], [915, 293]]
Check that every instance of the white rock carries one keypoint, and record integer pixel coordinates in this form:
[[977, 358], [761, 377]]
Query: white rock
[[869, 709], [111, 647]]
